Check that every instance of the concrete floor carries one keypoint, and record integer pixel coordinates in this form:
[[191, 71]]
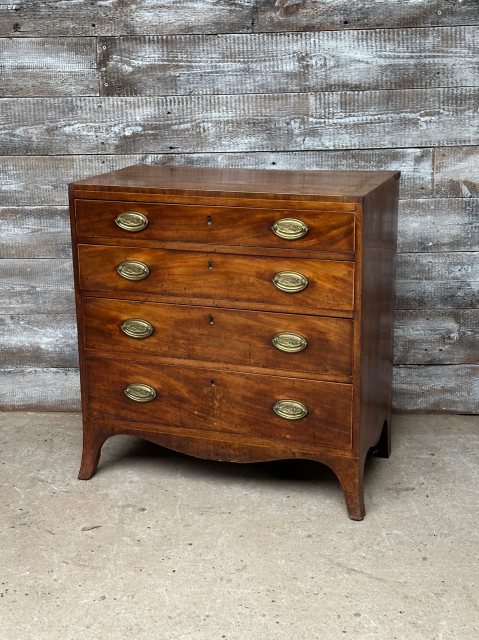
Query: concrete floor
[[161, 546]]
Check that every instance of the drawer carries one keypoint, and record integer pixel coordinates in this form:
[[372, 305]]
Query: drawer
[[234, 226], [307, 344], [222, 402], [207, 278]]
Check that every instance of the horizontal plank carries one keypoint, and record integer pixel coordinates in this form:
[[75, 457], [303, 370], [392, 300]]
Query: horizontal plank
[[116, 17], [441, 224], [41, 180], [437, 281], [36, 286], [254, 122], [457, 172], [416, 294], [440, 389], [455, 266], [289, 62], [49, 67], [313, 15], [444, 337], [34, 232], [158, 17], [43, 389], [47, 340]]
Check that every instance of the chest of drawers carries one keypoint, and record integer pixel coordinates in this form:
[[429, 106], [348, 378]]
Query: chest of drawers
[[240, 315]]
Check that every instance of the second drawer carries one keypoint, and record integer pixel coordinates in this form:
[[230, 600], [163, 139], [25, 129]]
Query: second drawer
[[307, 344], [259, 282]]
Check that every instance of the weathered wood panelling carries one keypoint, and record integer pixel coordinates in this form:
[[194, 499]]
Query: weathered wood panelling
[[40, 389], [116, 17], [156, 17], [438, 225], [186, 124], [436, 388], [326, 61], [38, 340], [311, 15], [449, 336], [294, 84], [48, 67], [34, 232], [41, 180], [457, 171], [437, 281], [36, 286]]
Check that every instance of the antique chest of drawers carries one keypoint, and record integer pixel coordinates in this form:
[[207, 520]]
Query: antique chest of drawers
[[240, 315]]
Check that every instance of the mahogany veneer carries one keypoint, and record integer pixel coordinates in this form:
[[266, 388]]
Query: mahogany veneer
[[241, 315]]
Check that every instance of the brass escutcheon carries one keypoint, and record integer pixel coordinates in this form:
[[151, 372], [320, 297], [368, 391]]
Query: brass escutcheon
[[290, 409], [139, 392], [290, 281], [133, 270], [290, 228], [131, 221], [137, 328], [289, 342]]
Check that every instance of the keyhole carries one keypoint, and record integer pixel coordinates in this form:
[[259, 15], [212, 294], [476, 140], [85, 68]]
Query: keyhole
[[211, 320], [213, 383], [209, 220], [210, 264]]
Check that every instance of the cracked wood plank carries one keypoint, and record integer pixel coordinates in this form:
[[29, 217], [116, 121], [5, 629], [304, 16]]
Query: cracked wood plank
[[436, 388], [289, 62], [255, 122], [38, 340], [48, 67], [445, 336]]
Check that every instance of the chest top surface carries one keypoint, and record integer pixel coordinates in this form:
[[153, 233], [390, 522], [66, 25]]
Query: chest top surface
[[342, 186]]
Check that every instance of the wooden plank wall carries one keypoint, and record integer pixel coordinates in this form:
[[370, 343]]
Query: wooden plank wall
[[392, 84]]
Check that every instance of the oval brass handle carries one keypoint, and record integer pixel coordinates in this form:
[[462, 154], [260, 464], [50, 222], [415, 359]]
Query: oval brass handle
[[290, 228], [289, 342], [139, 392], [290, 281], [131, 221], [290, 409], [133, 270], [137, 328]]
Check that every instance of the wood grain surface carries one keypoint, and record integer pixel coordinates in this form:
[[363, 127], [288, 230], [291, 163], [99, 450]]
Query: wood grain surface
[[152, 17], [289, 84], [249, 122], [49, 67]]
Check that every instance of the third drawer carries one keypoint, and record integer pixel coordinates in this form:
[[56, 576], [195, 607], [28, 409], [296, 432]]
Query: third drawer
[[306, 344]]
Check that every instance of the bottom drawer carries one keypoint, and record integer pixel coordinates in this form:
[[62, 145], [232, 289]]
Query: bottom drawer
[[247, 405]]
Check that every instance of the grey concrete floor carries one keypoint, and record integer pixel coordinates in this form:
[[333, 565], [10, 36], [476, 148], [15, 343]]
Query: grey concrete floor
[[162, 546]]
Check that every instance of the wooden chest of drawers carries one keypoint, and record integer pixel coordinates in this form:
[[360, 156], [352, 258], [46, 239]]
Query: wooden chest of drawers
[[241, 315]]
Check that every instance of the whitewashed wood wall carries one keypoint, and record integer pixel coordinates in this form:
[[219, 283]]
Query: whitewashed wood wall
[[382, 84]]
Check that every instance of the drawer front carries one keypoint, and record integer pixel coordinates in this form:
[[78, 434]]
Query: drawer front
[[224, 402], [188, 276], [235, 226], [308, 344]]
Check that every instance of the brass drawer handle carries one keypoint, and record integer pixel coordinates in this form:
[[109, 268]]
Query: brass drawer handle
[[289, 342], [290, 228], [132, 221], [137, 328], [290, 409], [133, 270], [290, 281], [139, 392]]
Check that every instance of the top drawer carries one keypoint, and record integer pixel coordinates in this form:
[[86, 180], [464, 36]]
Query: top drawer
[[322, 230]]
